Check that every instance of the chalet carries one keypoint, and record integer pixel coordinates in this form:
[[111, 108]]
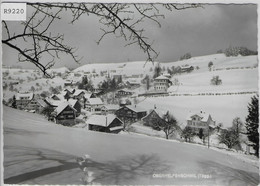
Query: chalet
[[133, 82], [162, 83], [41, 104], [79, 94], [187, 68], [88, 95], [105, 123], [52, 103], [153, 116], [65, 114], [26, 101], [130, 113], [200, 121], [123, 93], [76, 105], [109, 109], [94, 105]]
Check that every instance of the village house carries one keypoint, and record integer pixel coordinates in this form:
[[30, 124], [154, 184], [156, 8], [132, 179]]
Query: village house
[[89, 95], [130, 114], [52, 103], [41, 106], [79, 94], [187, 68], [200, 122], [94, 105], [76, 105], [123, 93], [109, 109], [105, 123], [26, 101], [153, 117], [65, 114], [133, 82], [162, 83]]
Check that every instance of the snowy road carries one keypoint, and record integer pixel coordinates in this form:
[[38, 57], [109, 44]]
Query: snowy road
[[40, 152]]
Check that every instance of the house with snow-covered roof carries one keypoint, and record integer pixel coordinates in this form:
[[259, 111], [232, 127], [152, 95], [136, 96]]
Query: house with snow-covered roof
[[76, 105], [162, 83], [94, 105], [52, 103], [130, 113], [123, 93], [155, 116], [105, 123], [109, 109], [200, 122], [26, 101], [65, 114]]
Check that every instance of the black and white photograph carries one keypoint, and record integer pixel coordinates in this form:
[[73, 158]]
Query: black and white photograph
[[129, 93]]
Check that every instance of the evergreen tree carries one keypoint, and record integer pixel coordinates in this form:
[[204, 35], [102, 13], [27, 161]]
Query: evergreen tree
[[14, 102], [252, 123], [157, 71]]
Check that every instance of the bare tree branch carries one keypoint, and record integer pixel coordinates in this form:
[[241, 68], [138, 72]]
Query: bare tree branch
[[122, 20]]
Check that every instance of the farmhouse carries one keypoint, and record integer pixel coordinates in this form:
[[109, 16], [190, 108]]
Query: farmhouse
[[153, 117], [123, 93], [76, 105], [109, 109], [105, 123], [79, 94], [51, 102], [26, 101], [41, 104], [65, 114], [133, 82], [200, 122], [162, 83], [187, 68], [94, 105], [130, 113]]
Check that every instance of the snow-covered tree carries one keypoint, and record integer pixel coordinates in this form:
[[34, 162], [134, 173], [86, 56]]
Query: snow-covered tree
[[252, 123], [215, 80], [168, 124], [229, 138], [187, 134]]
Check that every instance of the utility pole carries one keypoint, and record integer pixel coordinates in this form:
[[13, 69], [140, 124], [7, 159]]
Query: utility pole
[[208, 135]]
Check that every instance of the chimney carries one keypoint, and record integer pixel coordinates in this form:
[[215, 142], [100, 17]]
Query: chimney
[[154, 106]]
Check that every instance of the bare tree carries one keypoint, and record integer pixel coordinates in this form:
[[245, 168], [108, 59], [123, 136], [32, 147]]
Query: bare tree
[[36, 44], [168, 124]]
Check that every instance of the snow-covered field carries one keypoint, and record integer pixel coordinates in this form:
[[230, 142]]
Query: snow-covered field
[[232, 81], [223, 108], [39, 152]]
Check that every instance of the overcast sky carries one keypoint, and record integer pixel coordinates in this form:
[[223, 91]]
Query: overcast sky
[[199, 31]]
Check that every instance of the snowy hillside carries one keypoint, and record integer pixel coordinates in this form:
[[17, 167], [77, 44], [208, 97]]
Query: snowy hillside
[[139, 67], [223, 109], [40, 152]]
